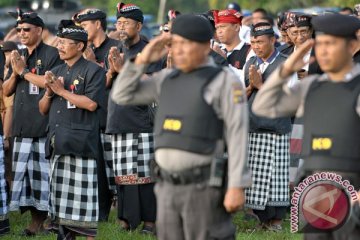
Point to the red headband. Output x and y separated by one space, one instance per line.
227 16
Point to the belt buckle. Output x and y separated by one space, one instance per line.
175 178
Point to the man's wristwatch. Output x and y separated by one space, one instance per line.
25 71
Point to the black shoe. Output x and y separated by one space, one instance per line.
4 227
27 233
148 230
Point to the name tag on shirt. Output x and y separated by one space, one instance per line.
33 89
70 105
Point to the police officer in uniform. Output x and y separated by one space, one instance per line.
25 79
199 104
329 104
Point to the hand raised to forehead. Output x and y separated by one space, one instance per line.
295 62
155 50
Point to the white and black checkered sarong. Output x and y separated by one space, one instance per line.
3 196
269 160
132 153
74 191
107 154
31 174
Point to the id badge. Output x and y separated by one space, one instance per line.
70 105
33 89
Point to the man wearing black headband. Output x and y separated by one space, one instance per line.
131 128
26 80
330 106
269 199
200 105
94 22
74 92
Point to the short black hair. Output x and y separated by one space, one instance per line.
347 9
261 10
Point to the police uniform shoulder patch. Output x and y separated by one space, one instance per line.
237 93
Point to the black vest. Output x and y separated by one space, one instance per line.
184 120
332 126
237 58
262 124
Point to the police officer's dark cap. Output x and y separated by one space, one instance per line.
27 17
90 14
337 25
68 29
192 27
261 28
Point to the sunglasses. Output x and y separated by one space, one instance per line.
18 29
164 28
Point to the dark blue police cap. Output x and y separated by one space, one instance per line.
337 25
192 27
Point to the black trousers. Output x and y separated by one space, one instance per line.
271 213
136 203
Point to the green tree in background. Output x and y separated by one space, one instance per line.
152 6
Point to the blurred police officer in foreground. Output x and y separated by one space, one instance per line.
329 104
199 104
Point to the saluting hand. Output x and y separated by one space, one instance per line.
295 62
17 62
234 199
169 60
255 77
115 59
155 50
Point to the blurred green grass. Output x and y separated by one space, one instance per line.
110 230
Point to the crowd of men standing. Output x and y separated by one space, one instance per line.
80 127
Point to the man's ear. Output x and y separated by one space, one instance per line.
139 26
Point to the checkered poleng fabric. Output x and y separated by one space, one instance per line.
107 153
269 161
132 153
73 191
31 174
3 196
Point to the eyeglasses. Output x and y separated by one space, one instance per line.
63 43
297 33
25 29
126 24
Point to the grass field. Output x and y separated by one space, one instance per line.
111 231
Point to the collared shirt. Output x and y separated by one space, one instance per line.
102 51
236 64
27 120
264 64
130 119
224 93
83 78
101 54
